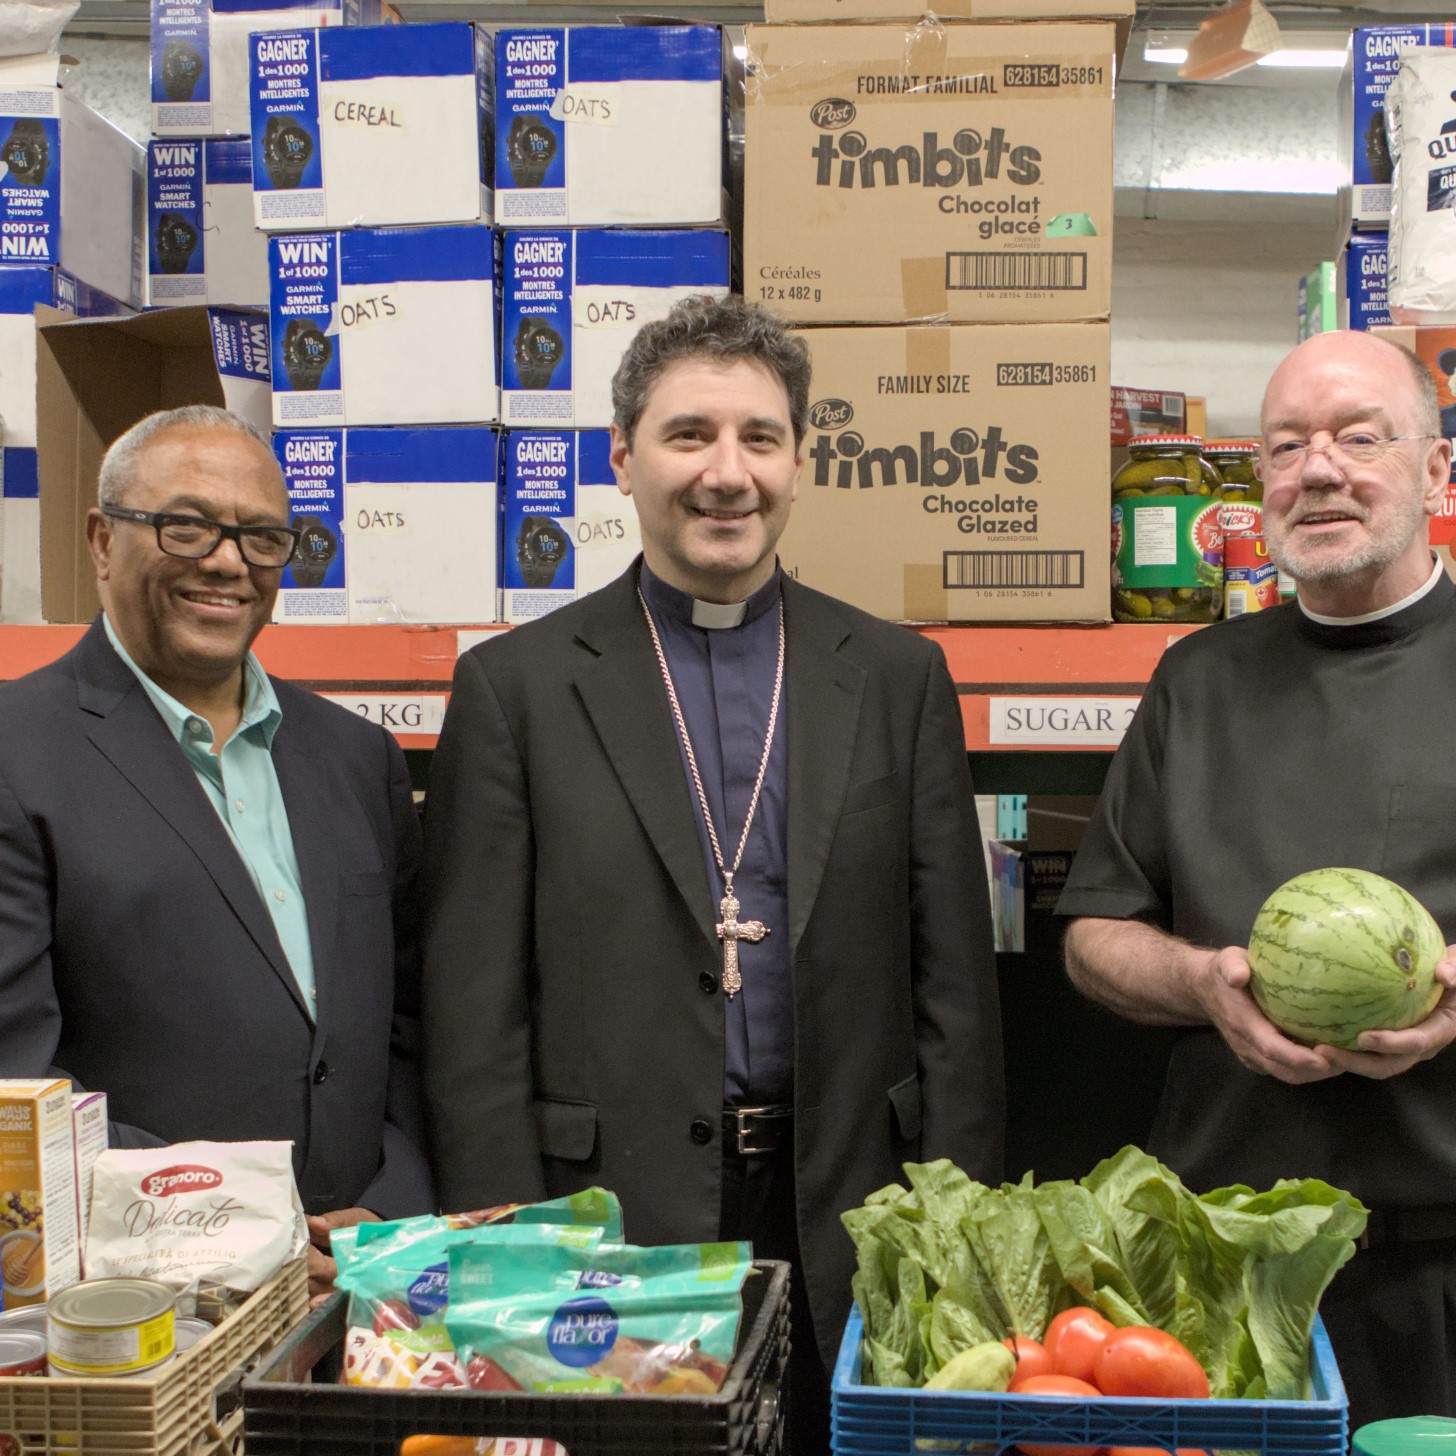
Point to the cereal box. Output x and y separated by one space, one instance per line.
39 1242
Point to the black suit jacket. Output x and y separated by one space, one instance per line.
137 958
569 921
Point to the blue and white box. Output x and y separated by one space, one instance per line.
202 246
1360 281
364 127
21 289
386 327
1366 166
571 302
418 517
199 55
244 362
71 185
609 126
565 527
312 586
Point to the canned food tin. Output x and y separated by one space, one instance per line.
190 1330
31 1317
110 1327
22 1352
1250 577
56 1373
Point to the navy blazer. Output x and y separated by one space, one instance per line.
138 959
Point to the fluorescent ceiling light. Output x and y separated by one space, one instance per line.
1164 55
1305 59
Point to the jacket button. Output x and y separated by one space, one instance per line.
701 1131
708 983
320 1074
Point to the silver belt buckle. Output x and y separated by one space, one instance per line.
744 1132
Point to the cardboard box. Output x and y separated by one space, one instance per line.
959 173
565 527
609 126
571 302
199 55
71 185
1147 412
202 246
371 126
22 290
40 1245
384 327
413 515
1436 349
1371 61
90 1136
95 378
1318 312
1360 283
946 473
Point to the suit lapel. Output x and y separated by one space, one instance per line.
825 690
135 741
622 691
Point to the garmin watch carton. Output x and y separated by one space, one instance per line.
1360 278
1366 167
932 172
571 302
199 55
72 186
609 125
40 1245
395 326
21 290
565 527
202 246
414 515
364 127
946 473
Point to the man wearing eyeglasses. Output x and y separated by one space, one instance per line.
206 875
1313 735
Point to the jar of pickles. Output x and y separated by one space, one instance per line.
1243 491
1167 548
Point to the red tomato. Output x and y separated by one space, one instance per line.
1073 1339
483 1373
1141 1360
1065 1385
1031 1357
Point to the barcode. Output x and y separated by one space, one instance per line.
1024 271
1235 605
1014 568
1172 405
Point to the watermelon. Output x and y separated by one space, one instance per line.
1337 952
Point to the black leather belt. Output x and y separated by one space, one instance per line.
1409 1225
750 1131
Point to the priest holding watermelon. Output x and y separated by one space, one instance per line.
1314 740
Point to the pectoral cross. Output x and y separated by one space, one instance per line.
730 932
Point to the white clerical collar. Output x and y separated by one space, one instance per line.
1436 573
716 615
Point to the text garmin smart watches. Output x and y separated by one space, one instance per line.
538 351
306 353
541 547
27 153
1377 149
181 70
176 239
317 547
530 147
287 148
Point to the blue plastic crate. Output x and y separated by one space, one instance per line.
872 1420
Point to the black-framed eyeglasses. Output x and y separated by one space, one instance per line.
194 537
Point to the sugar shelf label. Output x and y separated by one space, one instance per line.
1059 722
404 714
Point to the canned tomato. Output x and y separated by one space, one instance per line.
1251 580
22 1352
111 1327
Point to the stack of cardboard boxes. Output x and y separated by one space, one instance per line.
930 199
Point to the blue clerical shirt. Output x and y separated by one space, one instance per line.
725 680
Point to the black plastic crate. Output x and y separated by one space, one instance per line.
293 1404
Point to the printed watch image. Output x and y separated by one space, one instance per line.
530 148
538 350
541 547
181 70
316 549
26 152
1377 149
176 241
306 353
287 149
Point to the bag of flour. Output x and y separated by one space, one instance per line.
1420 115
195 1213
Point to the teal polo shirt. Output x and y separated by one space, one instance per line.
241 783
